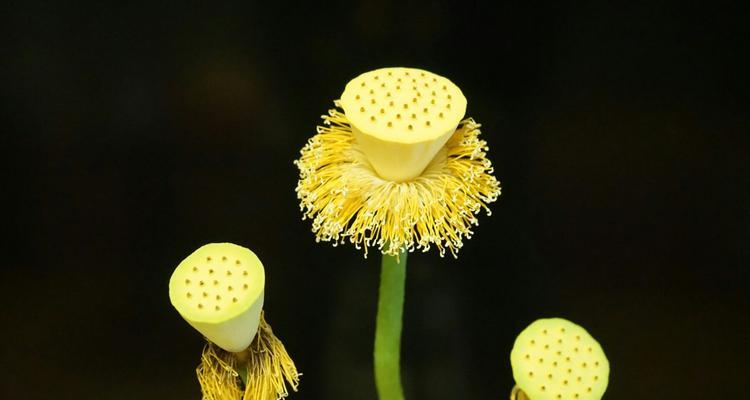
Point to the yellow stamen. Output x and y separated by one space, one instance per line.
346 199
268 367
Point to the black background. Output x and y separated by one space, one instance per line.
136 134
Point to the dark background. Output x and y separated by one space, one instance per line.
136 134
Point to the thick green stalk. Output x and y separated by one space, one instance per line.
388 327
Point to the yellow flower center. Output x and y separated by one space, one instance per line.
555 359
401 117
219 290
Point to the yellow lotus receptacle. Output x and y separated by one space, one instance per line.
555 359
401 118
219 291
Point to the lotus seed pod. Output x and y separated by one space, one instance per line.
219 291
401 118
555 359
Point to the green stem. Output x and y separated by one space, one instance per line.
388 327
242 372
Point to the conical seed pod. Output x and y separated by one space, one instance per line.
555 359
219 291
401 118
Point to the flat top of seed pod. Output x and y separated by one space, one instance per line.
217 282
555 359
405 105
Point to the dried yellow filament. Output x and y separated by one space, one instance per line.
217 374
266 363
344 197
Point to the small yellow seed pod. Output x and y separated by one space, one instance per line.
219 291
555 359
401 118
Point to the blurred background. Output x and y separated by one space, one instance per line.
135 134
